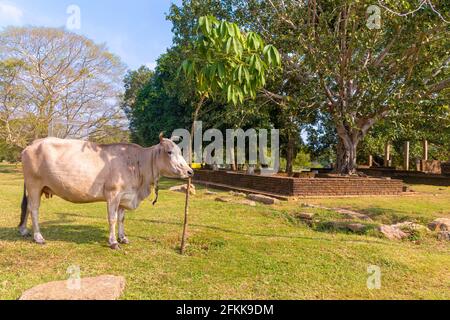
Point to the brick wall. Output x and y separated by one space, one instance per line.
302 186
347 186
278 185
445 168
430 166
412 177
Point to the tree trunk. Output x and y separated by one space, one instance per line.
194 119
346 155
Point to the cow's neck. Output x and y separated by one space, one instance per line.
149 170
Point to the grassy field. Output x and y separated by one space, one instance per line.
235 251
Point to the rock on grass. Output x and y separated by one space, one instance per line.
440 224
443 235
243 201
182 188
105 287
263 199
392 233
304 215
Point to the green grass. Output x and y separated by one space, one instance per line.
235 251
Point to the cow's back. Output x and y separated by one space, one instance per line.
75 170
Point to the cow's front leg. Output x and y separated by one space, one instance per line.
122 237
113 207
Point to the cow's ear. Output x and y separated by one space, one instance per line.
161 137
176 138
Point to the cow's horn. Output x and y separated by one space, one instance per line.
161 136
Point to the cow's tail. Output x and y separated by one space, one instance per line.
24 206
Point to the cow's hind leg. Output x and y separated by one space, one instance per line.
122 237
23 230
113 207
24 215
34 201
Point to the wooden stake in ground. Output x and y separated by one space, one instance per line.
186 213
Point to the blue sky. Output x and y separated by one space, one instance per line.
135 30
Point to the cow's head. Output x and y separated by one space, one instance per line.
171 161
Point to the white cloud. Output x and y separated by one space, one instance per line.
10 14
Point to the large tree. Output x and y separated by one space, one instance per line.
359 74
67 84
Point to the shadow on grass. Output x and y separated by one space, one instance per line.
216 228
4 169
391 216
59 232
258 234
61 229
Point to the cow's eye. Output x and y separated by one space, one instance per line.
169 152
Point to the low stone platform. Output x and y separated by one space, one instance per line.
289 187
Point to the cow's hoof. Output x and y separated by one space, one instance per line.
24 232
124 240
38 238
114 246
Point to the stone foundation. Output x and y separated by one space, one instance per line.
299 187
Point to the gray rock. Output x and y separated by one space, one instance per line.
392 233
247 202
352 214
105 287
262 199
237 194
307 205
443 235
304 215
210 193
356 227
221 199
182 188
440 224
408 226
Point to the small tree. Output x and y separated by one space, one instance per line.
227 63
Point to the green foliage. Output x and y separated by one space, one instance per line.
301 162
160 103
389 91
9 153
228 62
134 81
110 134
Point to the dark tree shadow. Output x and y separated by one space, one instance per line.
62 229
256 234
392 216
5 169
